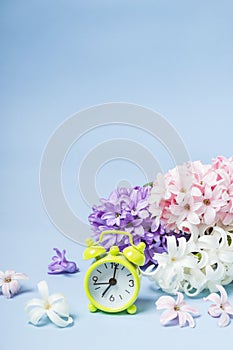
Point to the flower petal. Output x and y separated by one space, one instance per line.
228 308
167 316
34 302
209 216
143 214
142 204
182 247
54 298
215 310
14 286
195 191
180 298
61 308
59 254
19 276
193 218
56 268
6 290
189 261
216 274
35 315
182 318
223 293
165 302
188 308
224 320
43 289
171 245
9 273
226 256
58 320
214 297
190 320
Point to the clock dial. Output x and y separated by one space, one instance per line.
112 285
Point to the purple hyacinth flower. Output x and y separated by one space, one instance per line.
60 264
127 209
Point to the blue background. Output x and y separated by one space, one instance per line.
58 57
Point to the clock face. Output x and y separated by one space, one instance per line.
112 285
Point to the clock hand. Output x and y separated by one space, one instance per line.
114 273
112 282
106 290
99 283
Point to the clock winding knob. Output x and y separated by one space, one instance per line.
114 250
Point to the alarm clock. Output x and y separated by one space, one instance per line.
112 282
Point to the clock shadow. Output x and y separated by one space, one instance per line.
142 304
121 313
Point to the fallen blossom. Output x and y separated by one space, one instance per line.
221 307
54 306
176 309
9 281
60 264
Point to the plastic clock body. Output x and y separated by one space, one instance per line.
112 283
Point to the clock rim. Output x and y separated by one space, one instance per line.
115 259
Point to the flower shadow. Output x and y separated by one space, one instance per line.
175 322
64 274
23 291
144 304
45 321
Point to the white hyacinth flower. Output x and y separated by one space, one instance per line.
54 306
172 265
204 261
219 247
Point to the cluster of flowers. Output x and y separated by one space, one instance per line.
195 192
204 261
127 209
197 199
186 221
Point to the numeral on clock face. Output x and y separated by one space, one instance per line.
112 298
95 279
114 266
131 283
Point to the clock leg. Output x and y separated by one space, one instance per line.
132 309
92 308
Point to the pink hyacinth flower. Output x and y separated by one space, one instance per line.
176 309
221 306
9 282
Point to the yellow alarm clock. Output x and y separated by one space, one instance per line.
112 282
